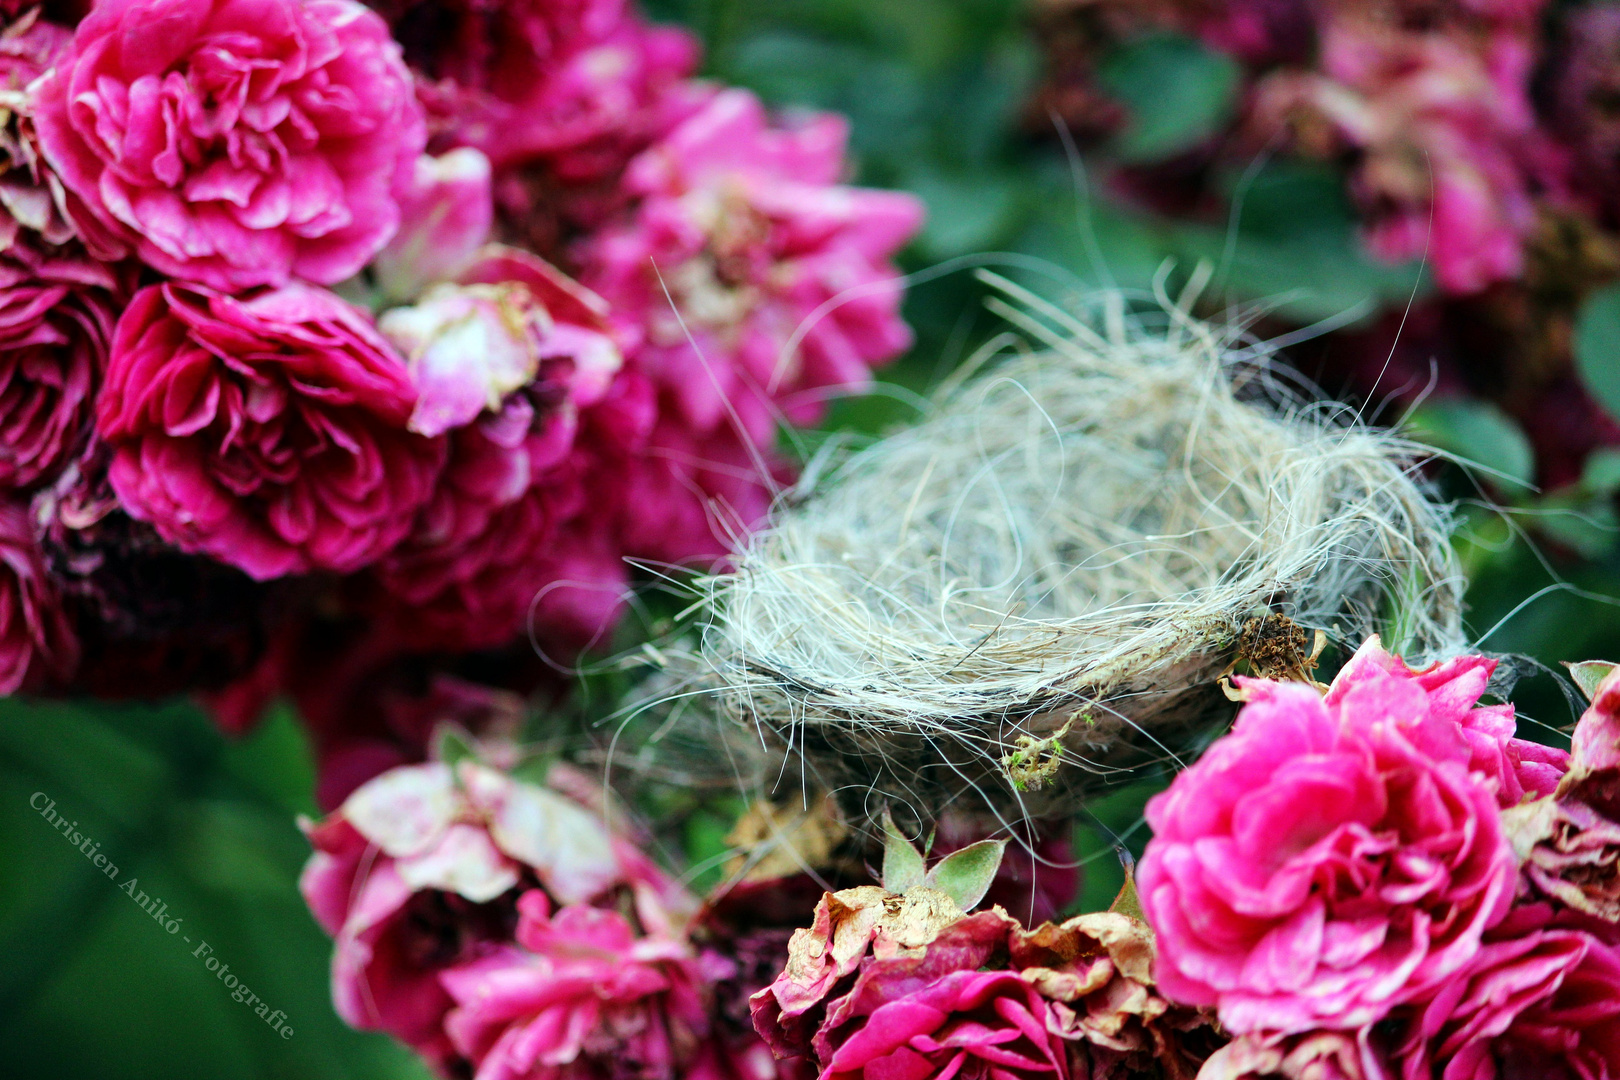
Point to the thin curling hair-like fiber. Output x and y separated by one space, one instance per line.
1068 544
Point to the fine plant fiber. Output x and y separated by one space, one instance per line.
1057 560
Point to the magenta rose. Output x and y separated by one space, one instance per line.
32 197
37 644
1542 999
761 284
236 143
1570 841
1518 768
1448 147
980 1025
57 310
583 994
445 217
419 869
1328 860
884 985
269 433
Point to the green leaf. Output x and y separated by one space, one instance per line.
1479 432
965 875
902 862
1588 674
1597 346
1601 475
1580 521
1128 902
452 745
1178 94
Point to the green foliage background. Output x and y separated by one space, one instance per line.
91 986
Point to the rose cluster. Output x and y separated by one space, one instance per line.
906 985
501 928
339 342
1383 881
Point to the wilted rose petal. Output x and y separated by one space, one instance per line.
444 219
420 869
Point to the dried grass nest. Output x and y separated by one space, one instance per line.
1033 592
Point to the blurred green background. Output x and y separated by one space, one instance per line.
936 90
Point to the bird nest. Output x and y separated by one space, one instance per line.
1033 592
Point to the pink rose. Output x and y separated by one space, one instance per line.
763 286
470 345
848 927
1594 773
974 1024
420 868
1541 999
57 303
1519 769
1570 842
581 995
32 197
236 142
29 46
268 433
1447 139
37 645
1329 859
57 310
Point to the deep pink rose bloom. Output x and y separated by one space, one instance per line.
581 995
781 275
57 310
510 321
980 1025
1328 860
1447 139
1542 999
37 645
1594 774
33 199
1570 842
883 985
236 143
268 432
1519 769
416 871
28 48
58 303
